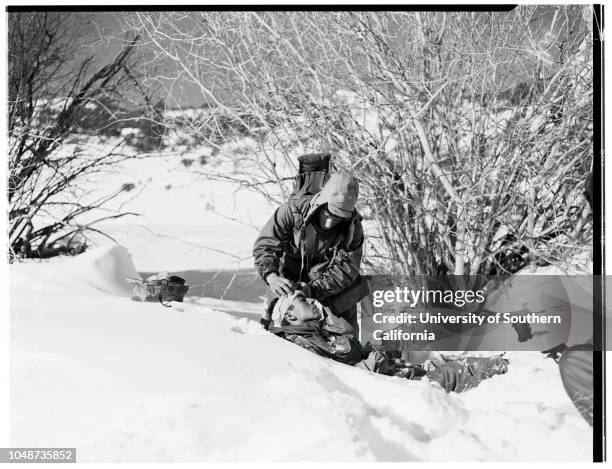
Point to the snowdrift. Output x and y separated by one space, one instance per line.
103 269
128 381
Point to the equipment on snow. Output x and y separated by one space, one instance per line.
161 287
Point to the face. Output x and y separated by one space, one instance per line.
302 310
327 219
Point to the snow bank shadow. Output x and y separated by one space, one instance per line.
242 315
234 309
233 285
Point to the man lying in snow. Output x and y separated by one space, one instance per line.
307 323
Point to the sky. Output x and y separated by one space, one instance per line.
101 34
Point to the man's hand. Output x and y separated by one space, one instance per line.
280 285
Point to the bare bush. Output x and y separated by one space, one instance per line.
471 133
54 91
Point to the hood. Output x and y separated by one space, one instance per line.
332 324
281 304
339 193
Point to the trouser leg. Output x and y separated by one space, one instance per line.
453 377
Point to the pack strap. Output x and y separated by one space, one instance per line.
162 290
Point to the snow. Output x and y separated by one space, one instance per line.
184 221
201 381
102 270
131 132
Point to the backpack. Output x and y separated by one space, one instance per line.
161 287
313 173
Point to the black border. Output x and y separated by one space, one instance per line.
599 383
296 7
599 325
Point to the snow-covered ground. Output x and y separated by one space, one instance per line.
182 220
128 381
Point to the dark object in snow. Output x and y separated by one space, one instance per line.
555 352
523 331
128 186
161 287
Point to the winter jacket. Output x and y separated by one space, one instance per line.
331 337
291 245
